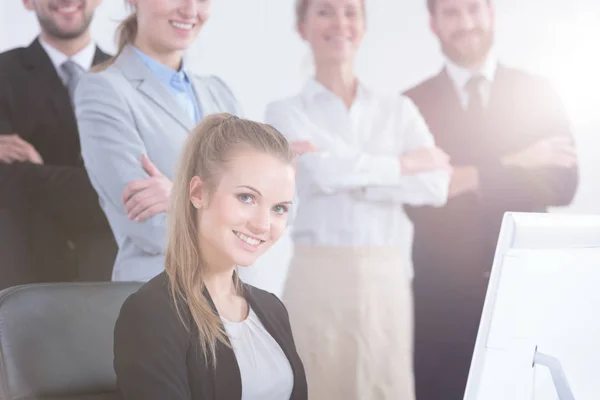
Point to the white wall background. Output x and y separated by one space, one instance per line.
253 46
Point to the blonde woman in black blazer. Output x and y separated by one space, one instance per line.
195 331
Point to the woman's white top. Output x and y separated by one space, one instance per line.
265 370
351 192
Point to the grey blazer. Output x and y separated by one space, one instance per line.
123 112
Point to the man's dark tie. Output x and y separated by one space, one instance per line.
73 73
475 102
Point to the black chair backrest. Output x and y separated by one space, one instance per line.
56 340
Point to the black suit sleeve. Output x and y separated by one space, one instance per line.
13 175
6 127
536 188
150 350
15 178
62 191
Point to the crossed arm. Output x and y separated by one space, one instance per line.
417 176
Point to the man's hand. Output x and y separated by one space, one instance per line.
464 179
148 197
425 160
303 146
552 152
15 149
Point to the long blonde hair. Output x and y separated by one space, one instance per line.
209 149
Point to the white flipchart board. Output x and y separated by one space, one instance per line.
544 292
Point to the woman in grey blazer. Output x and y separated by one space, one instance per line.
134 115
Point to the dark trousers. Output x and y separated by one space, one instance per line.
52 228
448 304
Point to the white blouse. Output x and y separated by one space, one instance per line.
351 192
265 370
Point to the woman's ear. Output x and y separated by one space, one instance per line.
196 192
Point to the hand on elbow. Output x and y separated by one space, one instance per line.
148 197
425 160
551 152
14 149
464 180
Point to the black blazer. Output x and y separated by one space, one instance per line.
35 104
522 109
156 358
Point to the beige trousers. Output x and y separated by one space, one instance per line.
351 316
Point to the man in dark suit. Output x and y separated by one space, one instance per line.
51 225
511 149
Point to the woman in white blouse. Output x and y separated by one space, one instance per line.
362 155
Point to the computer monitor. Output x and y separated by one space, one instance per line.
539 336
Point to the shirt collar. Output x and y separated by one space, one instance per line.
165 74
461 75
84 58
314 89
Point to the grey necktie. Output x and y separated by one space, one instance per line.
473 87
72 72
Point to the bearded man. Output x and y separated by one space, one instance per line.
51 225
511 149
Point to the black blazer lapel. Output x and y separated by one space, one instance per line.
443 109
227 378
448 92
278 333
47 80
100 57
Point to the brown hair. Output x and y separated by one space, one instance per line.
302 8
431 6
126 33
432 3
208 150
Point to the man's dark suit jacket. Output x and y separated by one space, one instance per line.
157 358
454 246
35 104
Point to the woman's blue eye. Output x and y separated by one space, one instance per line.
281 209
245 198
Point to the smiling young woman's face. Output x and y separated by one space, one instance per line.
170 25
247 211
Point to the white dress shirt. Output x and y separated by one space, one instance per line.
460 76
84 58
351 192
264 368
